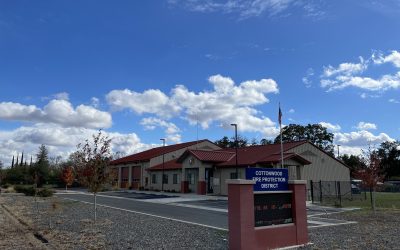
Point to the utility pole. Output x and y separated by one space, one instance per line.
163 163
236 149
338 154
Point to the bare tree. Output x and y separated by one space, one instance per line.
91 162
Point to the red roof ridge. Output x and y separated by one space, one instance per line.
146 155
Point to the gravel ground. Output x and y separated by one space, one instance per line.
68 225
373 231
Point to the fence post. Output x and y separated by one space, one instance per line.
320 191
312 191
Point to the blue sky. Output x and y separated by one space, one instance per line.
181 70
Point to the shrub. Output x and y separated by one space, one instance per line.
27 190
45 192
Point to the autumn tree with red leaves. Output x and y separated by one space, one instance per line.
370 172
67 176
91 162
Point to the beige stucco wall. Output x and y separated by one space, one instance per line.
167 186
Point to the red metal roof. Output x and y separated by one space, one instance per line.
169 165
255 154
208 156
275 158
154 152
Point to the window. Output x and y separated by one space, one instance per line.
165 179
154 178
233 175
175 179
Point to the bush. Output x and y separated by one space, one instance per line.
27 190
5 185
45 192
30 191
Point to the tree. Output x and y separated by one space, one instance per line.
91 162
370 172
40 170
314 133
266 142
389 154
353 162
67 176
225 142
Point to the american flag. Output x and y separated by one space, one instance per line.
280 115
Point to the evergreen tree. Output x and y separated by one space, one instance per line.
12 162
40 170
22 159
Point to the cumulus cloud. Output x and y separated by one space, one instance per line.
57 111
366 126
250 8
361 138
60 141
347 69
171 130
226 103
152 101
352 74
330 126
393 57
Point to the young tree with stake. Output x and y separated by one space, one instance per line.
91 162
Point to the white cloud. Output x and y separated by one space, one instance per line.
171 130
393 57
62 96
226 103
250 8
347 69
56 111
366 126
361 138
306 79
291 111
394 101
60 141
95 102
151 101
350 75
330 126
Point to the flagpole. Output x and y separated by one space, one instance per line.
280 130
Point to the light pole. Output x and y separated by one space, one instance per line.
162 177
338 155
236 149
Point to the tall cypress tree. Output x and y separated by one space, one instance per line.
12 162
22 159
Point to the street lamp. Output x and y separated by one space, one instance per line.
163 162
236 149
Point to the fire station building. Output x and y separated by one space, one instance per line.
202 167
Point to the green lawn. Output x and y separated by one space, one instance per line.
382 200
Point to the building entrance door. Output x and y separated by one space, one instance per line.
209 180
